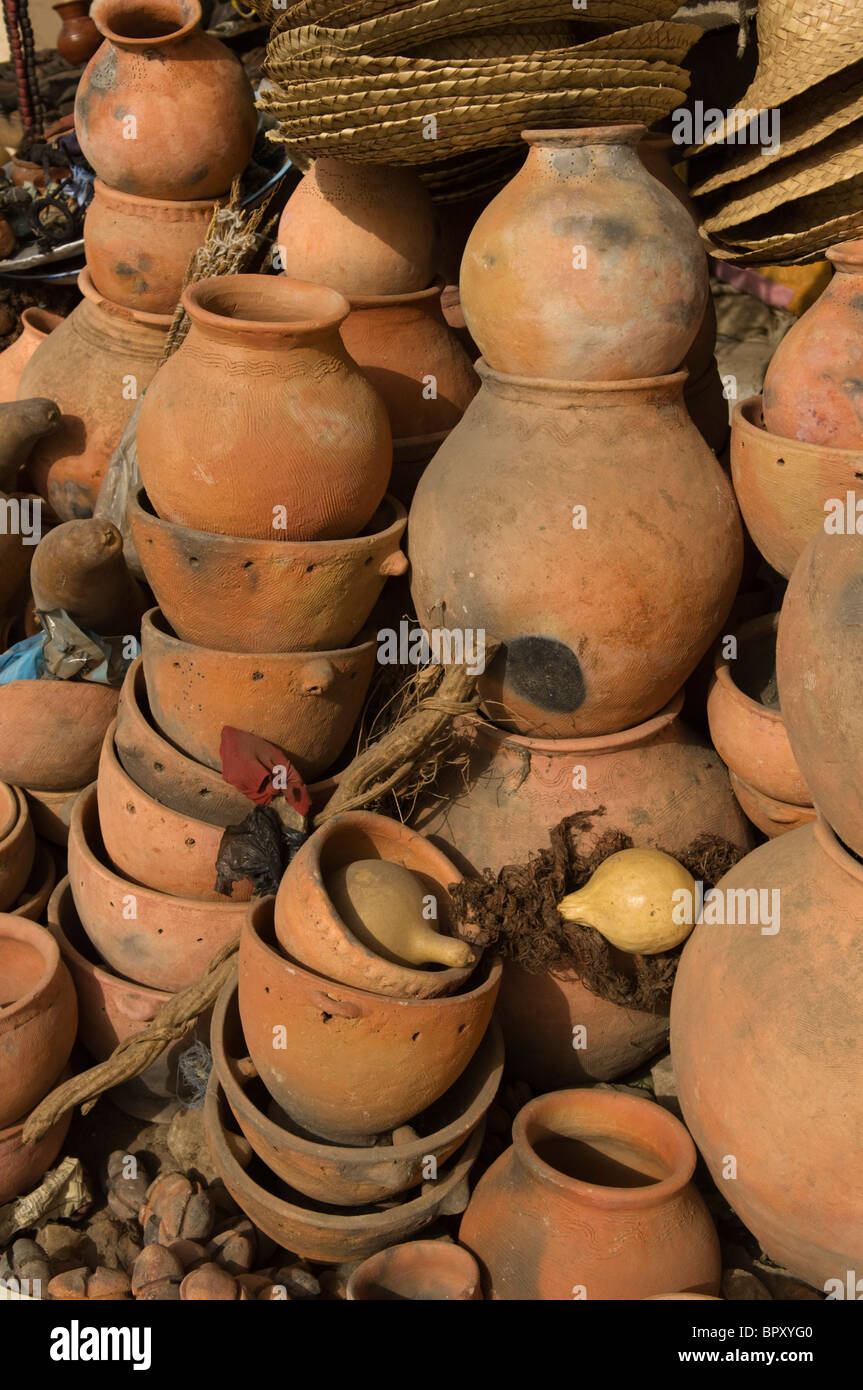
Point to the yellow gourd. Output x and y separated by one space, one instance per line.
383 905
631 900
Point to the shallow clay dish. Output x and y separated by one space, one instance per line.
38 1016
771 816
51 732
17 845
423 1270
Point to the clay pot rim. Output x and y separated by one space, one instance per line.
593 1108
29 934
834 847
592 743
153 205
575 137
119 311
34 312
396 301
847 256
671 384
358 1158
722 668
60 897
10 811
747 420
44 871
103 10
165 633
464 1264
67 4
334 307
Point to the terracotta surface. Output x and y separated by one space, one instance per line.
38 888
149 937
79 566
812 389
312 1230
364 229
651 596
339 1175
304 702
192 103
771 816
51 732
36 324
95 365
245 595
819 665
17 845
50 813
38 1016
264 379
16 556
311 932
354 1064
707 407
23 1165
138 249
584 267
593 1200
422 1270
750 1008
78 38
782 485
153 845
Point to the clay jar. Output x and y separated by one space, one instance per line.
812 389
801 1198
36 324
602 614
38 1016
261 425
163 109
595 1200
584 267
138 249
51 732
363 229
22 1165
95 365
423 1270
17 844
78 38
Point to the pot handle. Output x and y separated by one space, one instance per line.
317 677
139 1007
340 1007
394 564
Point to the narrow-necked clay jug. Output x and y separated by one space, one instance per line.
813 389
163 110
36 324
584 267
261 424
78 38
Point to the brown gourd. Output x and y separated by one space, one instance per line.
387 908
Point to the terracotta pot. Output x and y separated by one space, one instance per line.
650 598
112 1009
304 702
311 932
812 386
584 267
339 1175
707 407
38 888
22 1165
38 1016
787 1004
363 229
78 38
748 732
770 815
51 732
659 154
313 429
413 359
244 595
36 324
819 667
153 845
191 105
312 1229
426 1270
593 1200
782 485
80 567
95 365
138 249
355 1064
17 845
51 812
149 937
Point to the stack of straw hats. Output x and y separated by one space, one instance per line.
790 205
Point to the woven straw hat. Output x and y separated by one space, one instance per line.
798 231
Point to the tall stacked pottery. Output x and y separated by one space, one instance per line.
566 517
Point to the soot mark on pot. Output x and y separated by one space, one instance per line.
849 606
198 175
544 671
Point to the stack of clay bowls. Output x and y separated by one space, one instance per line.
577 516
165 115
347 1101
26 867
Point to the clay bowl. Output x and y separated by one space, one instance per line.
111 1009
275 596
772 817
17 845
341 1175
149 937
153 845
313 1230
783 484
423 1270
312 933
38 1016
304 702
22 1165
345 1064
39 887
51 732
749 735
51 812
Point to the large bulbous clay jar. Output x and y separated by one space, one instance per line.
584 267
597 577
36 324
261 425
78 38
138 249
95 365
163 109
765 1037
593 1200
813 389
